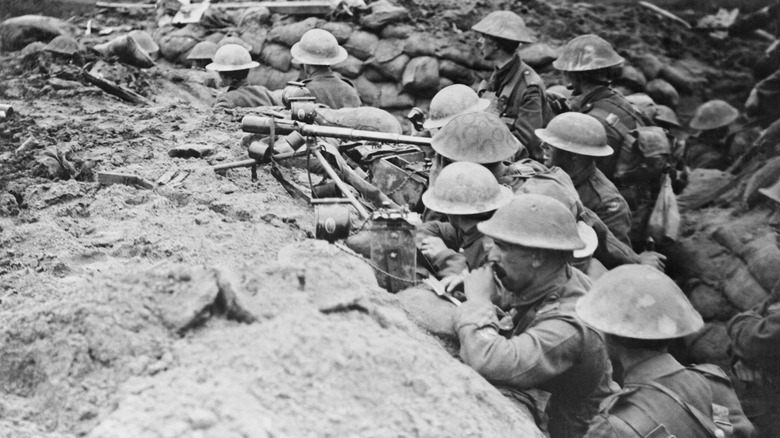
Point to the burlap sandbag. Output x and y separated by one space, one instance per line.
17 32
663 93
538 55
421 76
340 30
710 302
709 345
271 78
361 44
649 65
289 34
254 35
767 175
401 31
277 56
368 90
679 78
390 70
349 68
176 45
456 72
383 13
364 118
392 96
421 44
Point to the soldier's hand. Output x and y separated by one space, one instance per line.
479 284
430 246
452 282
654 259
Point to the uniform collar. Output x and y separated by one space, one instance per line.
503 74
598 93
584 174
652 368
547 289
322 74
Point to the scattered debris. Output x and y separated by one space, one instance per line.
109 178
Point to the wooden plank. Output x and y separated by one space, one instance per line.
109 178
114 89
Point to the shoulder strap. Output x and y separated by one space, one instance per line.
509 88
704 421
640 422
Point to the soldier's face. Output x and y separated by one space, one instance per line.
487 47
515 265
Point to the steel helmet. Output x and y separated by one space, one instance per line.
663 92
452 101
466 188
534 221
203 51
318 47
591 239
145 41
555 184
666 115
576 133
640 302
587 52
475 137
234 40
714 114
64 45
232 57
505 25
772 192
640 100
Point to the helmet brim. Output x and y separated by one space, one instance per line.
699 126
560 65
448 207
588 235
554 141
481 105
225 67
307 58
530 241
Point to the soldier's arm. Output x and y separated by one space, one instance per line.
529 117
753 336
616 216
449 261
523 361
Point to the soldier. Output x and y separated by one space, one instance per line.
317 51
233 63
452 101
642 310
755 344
516 91
571 142
710 149
588 63
468 194
518 328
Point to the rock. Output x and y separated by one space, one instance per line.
401 31
767 175
350 67
271 78
649 65
711 303
632 78
362 44
289 34
383 13
421 44
709 345
341 31
277 56
8 205
421 76
456 72
663 93
17 32
679 79
538 55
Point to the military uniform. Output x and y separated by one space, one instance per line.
332 90
247 96
464 251
601 196
755 341
545 346
703 154
518 96
652 402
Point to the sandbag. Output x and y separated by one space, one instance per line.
709 345
289 34
401 31
127 50
393 69
219 18
17 32
368 91
704 186
364 118
679 79
383 13
456 72
254 16
663 93
341 31
176 45
375 74
767 175
431 313
739 286
664 222
420 44
462 54
421 76
632 78
277 56
760 253
392 96
271 78
254 35
349 68
388 49
361 44
538 55
649 65
711 303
